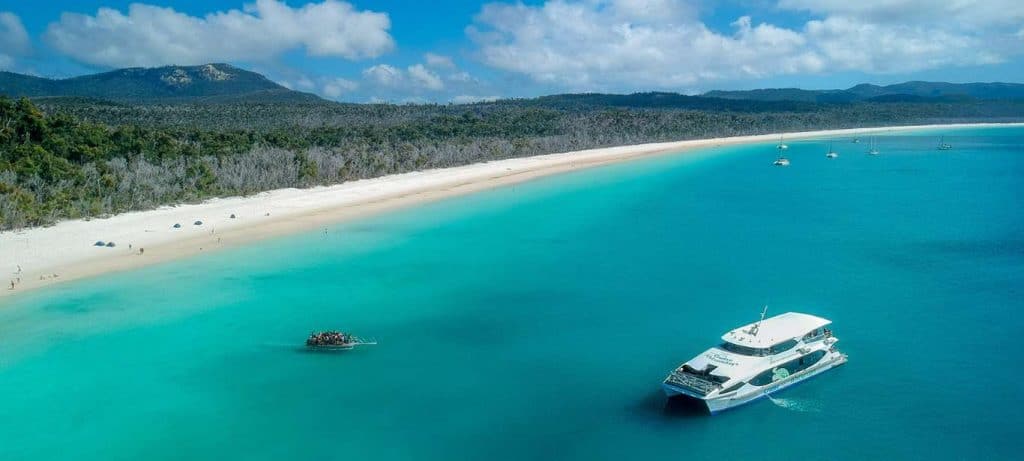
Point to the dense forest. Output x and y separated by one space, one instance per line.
74 157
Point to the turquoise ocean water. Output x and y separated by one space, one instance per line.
537 321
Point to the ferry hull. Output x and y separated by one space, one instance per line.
692 401
716 405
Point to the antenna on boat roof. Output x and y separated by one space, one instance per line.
753 329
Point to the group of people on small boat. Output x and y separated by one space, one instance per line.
329 338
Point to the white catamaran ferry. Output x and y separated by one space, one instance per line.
756 360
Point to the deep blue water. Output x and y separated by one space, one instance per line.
537 321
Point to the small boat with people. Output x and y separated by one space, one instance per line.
756 360
335 340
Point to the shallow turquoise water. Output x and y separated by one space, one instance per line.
537 321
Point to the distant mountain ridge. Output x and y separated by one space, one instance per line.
908 91
224 83
168 84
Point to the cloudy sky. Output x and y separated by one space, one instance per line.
464 50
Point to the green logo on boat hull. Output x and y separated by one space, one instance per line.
779 374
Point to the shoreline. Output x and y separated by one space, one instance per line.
66 249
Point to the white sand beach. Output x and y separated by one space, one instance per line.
38 257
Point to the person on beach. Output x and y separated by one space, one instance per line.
12 285
141 250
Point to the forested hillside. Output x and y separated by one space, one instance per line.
166 85
73 157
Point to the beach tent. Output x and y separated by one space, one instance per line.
99 243
177 225
198 223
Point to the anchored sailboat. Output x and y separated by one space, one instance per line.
782 145
782 160
831 153
943 145
873 150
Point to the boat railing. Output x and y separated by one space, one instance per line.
690 381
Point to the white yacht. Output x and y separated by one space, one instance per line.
831 153
782 146
781 161
872 150
756 360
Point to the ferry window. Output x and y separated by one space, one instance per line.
783 347
733 387
744 350
791 367
813 334
762 379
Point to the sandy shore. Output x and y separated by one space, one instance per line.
44 256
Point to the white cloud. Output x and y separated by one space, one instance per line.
423 77
462 77
383 75
414 77
335 88
438 61
960 13
305 83
151 35
848 44
431 80
469 99
608 44
13 39
593 44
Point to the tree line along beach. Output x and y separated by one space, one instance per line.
66 251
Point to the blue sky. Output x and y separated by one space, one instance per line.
462 50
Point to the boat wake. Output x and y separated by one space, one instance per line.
800 405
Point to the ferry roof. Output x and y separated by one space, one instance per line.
774 330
